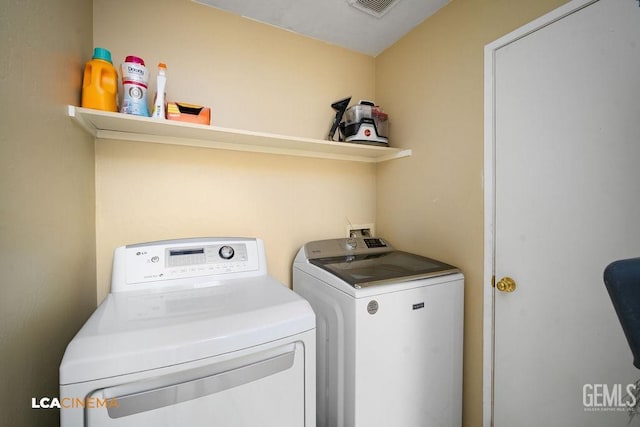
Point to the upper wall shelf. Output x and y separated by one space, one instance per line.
108 125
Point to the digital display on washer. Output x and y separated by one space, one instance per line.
377 269
181 257
375 243
174 252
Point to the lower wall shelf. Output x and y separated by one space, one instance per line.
108 125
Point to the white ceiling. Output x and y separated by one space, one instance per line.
336 21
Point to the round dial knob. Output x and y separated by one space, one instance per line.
226 252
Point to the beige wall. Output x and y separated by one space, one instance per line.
47 215
431 83
254 77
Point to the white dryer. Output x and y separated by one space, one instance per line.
389 334
194 333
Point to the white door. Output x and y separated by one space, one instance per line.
566 105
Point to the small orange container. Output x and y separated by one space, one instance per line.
183 112
100 82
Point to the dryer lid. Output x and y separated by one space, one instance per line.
365 270
140 331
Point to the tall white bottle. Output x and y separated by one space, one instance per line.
159 101
134 86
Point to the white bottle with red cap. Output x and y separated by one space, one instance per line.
134 87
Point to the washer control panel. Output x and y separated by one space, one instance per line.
187 258
227 255
346 247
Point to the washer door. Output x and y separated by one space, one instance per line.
265 389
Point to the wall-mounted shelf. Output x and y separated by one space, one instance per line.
108 125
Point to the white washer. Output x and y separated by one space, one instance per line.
194 333
389 334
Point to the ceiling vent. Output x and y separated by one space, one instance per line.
376 8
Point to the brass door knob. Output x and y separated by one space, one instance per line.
506 284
